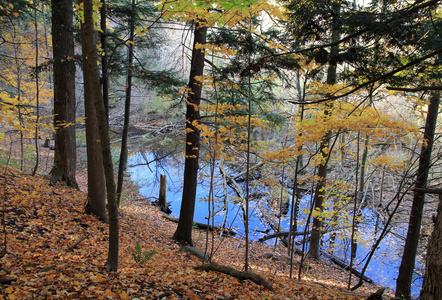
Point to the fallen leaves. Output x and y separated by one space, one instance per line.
54 251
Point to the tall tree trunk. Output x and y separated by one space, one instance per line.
96 191
403 284
65 152
37 92
324 146
123 153
90 60
315 236
432 287
183 232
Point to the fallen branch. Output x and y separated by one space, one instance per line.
345 266
77 243
204 226
427 190
204 257
282 234
146 134
237 176
6 281
241 275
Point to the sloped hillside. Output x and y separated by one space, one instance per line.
54 251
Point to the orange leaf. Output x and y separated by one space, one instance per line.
123 295
109 293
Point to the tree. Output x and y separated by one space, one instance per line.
65 157
324 148
96 198
93 94
403 286
183 232
431 288
123 152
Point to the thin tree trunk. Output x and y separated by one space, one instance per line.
19 100
37 93
104 61
123 153
354 227
403 285
249 138
183 232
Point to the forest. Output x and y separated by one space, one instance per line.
186 149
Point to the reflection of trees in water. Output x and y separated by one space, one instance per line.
160 155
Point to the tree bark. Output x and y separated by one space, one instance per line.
403 285
183 232
65 157
432 288
96 191
90 61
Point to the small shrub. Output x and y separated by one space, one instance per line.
140 256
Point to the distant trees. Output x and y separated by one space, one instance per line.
25 83
127 48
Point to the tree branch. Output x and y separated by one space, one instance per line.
242 275
416 89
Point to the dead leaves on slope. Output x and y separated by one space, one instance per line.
54 251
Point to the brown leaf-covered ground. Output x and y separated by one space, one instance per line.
43 223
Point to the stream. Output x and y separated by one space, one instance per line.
383 268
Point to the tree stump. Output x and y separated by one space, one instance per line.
162 203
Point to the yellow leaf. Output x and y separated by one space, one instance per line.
8 290
139 31
100 278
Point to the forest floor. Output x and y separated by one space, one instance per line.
55 251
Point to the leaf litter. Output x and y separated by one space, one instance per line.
55 251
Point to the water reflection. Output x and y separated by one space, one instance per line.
145 169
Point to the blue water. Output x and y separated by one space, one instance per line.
383 267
